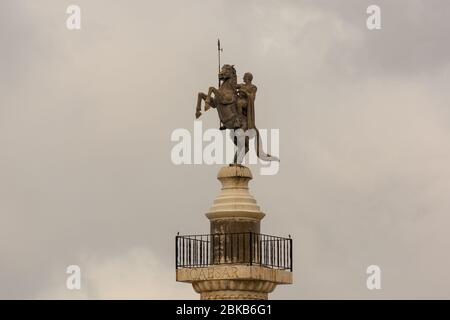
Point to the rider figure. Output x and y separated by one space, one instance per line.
247 94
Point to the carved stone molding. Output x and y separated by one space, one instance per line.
233 295
234 285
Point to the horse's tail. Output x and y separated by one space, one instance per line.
259 149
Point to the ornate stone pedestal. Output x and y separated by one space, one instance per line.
235 209
235 261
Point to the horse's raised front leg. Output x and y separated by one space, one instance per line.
201 96
208 97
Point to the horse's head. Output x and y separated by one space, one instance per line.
227 72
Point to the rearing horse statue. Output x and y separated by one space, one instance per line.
235 108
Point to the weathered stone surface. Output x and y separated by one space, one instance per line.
234 272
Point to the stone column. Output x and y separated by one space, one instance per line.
235 220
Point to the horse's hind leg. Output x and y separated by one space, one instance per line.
236 153
247 144
239 151
201 96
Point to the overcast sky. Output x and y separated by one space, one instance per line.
86 117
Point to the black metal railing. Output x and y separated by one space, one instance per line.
233 248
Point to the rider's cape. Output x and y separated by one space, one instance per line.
251 112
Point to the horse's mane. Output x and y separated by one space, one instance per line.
234 78
234 81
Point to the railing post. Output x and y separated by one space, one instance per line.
251 248
189 250
260 249
208 247
290 252
225 247
278 252
176 252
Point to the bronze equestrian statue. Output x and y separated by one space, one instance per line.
235 104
